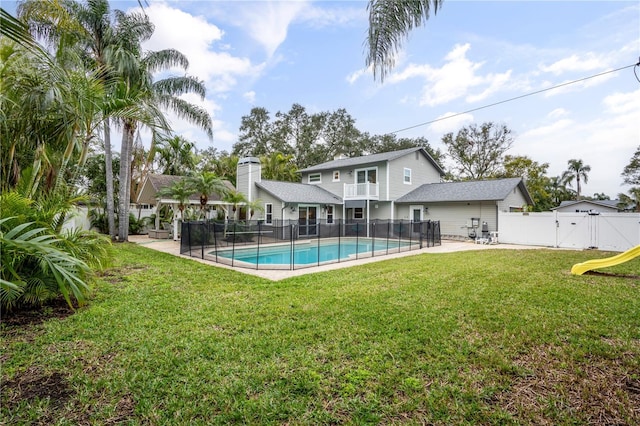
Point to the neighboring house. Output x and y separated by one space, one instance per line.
394 185
589 206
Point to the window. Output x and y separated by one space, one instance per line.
358 213
336 176
407 176
268 213
329 214
315 178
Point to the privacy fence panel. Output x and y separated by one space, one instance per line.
604 231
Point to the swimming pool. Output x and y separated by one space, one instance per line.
312 253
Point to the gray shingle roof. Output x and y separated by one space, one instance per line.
291 192
480 190
605 203
369 159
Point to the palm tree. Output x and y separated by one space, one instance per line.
235 198
577 170
205 184
180 191
630 200
176 156
278 166
390 22
108 46
153 96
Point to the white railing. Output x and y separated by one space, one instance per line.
361 191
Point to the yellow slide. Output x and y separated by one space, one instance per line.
581 268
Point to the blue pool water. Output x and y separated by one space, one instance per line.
307 254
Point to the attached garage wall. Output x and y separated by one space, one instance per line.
454 217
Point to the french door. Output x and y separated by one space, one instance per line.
307 220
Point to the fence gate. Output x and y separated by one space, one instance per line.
577 230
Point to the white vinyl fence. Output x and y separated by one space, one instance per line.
604 231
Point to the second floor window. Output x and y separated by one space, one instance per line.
315 178
336 176
407 175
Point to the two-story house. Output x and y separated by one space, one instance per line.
404 184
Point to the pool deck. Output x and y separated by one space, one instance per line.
447 246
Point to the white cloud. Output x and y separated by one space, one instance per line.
453 124
250 96
622 103
588 62
267 22
175 29
355 76
557 113
454 79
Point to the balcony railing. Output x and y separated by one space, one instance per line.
361 191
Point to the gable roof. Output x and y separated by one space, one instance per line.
478 190
292 192
369 159
612 204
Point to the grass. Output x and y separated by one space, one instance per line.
488 337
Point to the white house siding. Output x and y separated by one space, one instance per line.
326 178
267 198
514 199
383 212
422 171
454 217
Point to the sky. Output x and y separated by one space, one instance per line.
472 54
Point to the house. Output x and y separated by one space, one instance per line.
397 185
588 206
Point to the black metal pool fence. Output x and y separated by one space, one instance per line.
287 244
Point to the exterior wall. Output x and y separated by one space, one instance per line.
454 217
265 198
514 199
327 180
585 206
422 171
390 176
248 173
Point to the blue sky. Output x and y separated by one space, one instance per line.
273 54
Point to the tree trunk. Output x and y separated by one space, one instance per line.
108 166
125 179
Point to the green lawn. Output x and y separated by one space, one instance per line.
481 337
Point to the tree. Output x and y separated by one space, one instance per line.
278 166
631 172
180 191
226 167
534 176
577 171
255 137
558 191
106 42
176 156
235 198
631 200
390 22
206 184
478 150
153 96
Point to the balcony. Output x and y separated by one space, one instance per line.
361 191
